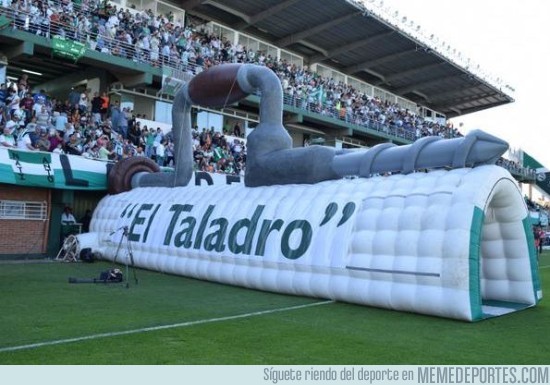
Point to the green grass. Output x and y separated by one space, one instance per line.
39 305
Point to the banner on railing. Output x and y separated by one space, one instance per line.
52 170
4 22
543 173
73 172
173 80
67 48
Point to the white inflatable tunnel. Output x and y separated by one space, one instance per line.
454 244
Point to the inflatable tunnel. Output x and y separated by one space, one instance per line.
450 243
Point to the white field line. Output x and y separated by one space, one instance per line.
161 327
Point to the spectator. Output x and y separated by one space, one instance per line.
537 236
7 139
60 120
160 152
159 136
73 146
92 152
115 113
105 152
149 142
22 84
85 220
97 102
42 143
37 107
68 223
14 123
26 105
56 140
43 116
83 101
169 154
104 105
74 98
139 151
24 142
12 101
3 96
122 123
67 217
40 97
118 146
68 131
237 130
540 236
134 131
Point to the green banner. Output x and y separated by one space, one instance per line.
68 48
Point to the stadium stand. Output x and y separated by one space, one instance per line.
186 46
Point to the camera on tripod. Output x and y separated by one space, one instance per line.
113 275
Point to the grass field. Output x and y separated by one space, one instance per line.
168 319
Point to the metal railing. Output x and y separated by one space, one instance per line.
23 210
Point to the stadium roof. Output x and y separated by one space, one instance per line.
345 36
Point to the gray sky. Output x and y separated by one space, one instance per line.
509 39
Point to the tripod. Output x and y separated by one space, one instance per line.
130 255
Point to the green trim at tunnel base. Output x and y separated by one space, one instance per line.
476 302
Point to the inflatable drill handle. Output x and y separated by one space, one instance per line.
216 87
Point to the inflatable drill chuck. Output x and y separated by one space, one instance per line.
475 149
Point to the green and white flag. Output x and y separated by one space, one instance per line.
543 173
44 169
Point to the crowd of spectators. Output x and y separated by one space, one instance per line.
95 128
515 168
92 126
160 41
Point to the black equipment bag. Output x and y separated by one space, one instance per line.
86 255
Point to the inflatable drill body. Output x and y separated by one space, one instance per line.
454 241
